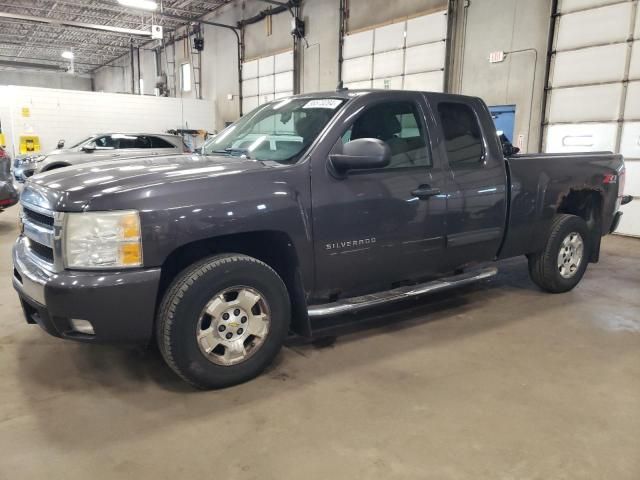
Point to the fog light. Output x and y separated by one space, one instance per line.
82 326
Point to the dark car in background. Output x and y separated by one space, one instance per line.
101 146
8 194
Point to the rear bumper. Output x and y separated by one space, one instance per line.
119 305
616 222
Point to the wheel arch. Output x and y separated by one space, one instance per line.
54 166
587 204
275 248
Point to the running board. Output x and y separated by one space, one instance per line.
354 304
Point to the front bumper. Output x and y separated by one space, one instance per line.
120 305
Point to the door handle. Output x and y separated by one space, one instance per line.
115 154
423 192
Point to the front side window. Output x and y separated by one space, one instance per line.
82 143
462 135
279 131
398 124
105 142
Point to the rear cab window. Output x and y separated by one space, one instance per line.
462 135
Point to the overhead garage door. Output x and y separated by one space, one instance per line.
594 97
266 78
408 55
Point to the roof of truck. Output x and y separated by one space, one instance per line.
346 93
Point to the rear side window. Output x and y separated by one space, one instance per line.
127 141
157 142
398 124
462 135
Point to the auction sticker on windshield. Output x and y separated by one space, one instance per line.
331 103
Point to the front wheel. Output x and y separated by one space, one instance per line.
560 266
223 320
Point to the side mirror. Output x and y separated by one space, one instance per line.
89 147
361 154
60 144
508 149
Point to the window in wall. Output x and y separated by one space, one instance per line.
462 135
398 124
185 77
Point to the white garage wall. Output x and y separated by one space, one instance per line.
71 115
594 99
266 78
409 54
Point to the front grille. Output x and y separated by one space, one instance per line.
38 228
42 251
37 217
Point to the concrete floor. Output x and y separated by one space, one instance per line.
496 381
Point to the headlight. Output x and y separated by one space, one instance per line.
95 240
32 159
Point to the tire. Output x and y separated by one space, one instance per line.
544 266
199 310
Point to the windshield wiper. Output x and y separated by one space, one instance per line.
231 151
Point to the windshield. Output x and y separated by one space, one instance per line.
84 140
278 131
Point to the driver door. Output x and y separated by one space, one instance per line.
372 228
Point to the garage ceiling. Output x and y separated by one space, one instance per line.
25 42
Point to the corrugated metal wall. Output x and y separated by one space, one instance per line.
409 54
594 95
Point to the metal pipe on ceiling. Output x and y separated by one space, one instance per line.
38 66
55 60
70 23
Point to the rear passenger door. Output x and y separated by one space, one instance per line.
476 207
374 228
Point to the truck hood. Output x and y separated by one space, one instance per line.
72 188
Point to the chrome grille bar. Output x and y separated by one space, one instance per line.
42 229
37 233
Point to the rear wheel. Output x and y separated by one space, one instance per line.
562 263
223 321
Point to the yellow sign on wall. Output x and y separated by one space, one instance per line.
29 144
26 112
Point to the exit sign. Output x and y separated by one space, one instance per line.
496 57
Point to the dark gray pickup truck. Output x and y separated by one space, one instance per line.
307 207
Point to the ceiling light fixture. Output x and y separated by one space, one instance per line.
141 4
67 54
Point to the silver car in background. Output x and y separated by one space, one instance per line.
100 146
